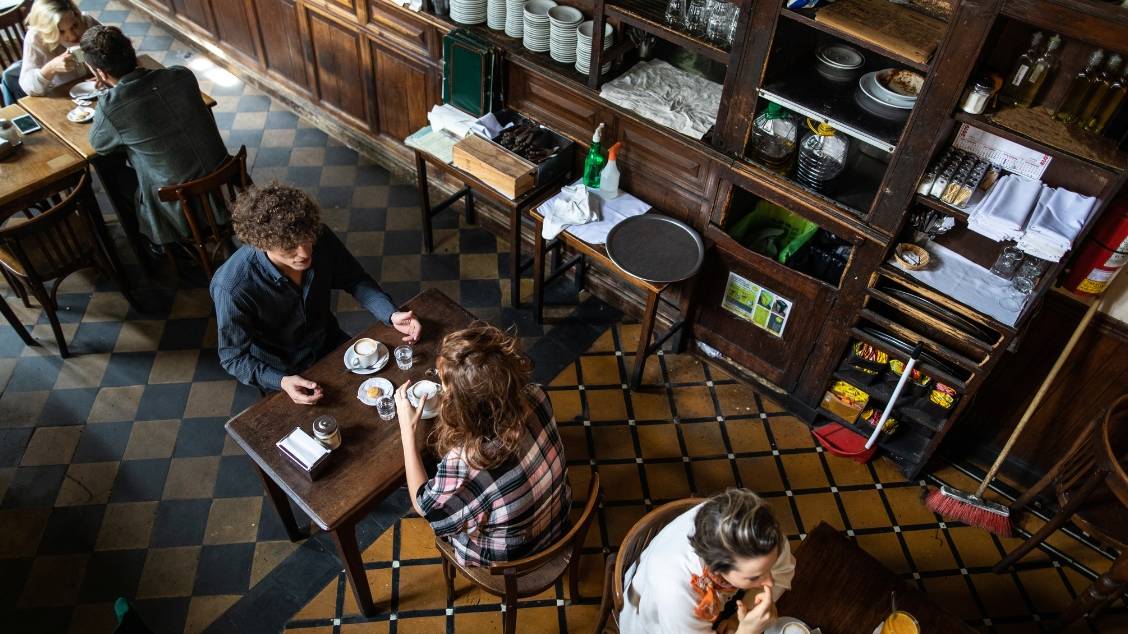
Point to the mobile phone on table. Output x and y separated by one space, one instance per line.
26 124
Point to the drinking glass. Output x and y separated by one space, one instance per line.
404 356
386 407
675 12
1007 263
696 17
720 19
1024 282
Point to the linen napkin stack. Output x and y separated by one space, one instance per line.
574 205
1003 212
1058 217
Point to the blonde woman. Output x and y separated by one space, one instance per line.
53 26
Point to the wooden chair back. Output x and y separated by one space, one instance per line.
62 239
12 33
639 537
199 200
1112 447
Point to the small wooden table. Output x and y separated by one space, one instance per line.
842 589
42 159
598 253
368 466
473 186
51 111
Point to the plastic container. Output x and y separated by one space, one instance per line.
593 164
822 157
775 136
609 178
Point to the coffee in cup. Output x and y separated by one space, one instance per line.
795 628
365 353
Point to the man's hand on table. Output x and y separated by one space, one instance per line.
406 323
301 390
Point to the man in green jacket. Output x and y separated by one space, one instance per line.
158 122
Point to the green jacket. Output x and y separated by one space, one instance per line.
159 120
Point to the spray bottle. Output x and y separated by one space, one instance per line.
593 164
609 178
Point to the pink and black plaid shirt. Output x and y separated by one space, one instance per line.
510 511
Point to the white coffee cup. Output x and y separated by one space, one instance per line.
795 628
365 353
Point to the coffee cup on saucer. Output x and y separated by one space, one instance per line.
365 353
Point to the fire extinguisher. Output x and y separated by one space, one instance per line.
1103 254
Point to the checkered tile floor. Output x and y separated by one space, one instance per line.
692 430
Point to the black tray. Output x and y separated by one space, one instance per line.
656 248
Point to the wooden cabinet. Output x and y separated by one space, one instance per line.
665 172
233 25
399 27
555 105
405 89
282 51
339 66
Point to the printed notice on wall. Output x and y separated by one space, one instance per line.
751 302
1006 154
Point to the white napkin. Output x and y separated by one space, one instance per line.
1057 219
1003 213
447 117
488 127
678 99
574 205
304 447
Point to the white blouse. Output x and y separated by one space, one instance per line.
36 54
657 598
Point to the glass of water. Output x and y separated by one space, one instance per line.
404 356
386 407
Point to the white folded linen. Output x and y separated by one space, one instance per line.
1058 217
572 206
610 212
437 143
680 100
447 117
303 447
1004 211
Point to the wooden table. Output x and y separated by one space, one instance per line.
51 111
842 589
598 253
368 466
473 186
42 159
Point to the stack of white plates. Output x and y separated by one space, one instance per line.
515 18
468 11
563 22
495 14
536 36
583 46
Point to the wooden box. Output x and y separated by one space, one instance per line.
499 168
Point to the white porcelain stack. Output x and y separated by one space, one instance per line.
583 46
536 37
515 18
468 11
563 22
496 14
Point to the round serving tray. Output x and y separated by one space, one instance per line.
656 248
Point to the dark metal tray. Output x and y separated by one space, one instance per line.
656 248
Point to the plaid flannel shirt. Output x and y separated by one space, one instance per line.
510 511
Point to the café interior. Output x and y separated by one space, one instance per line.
765 274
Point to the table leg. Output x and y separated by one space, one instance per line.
345 538
471 214
281 504
424 200
538 274
515 257
644 334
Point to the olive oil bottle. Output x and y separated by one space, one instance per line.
1021 68
1079 88
1101 86
1043 67
1111 104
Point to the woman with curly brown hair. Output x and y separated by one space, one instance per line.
501 491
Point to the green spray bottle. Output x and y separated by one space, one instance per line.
593 164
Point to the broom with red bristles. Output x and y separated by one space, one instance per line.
971 508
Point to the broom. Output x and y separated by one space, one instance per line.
971 508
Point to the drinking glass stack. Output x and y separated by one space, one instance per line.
563 22
536 37
515 18
468 11
496 14
583 46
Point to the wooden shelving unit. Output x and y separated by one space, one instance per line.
806 17
650 16
942 207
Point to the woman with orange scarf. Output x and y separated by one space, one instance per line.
700 561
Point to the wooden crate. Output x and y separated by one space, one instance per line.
499 168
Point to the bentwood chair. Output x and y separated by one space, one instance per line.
69 236
636 541
202 198
12 35
513 580
1091 487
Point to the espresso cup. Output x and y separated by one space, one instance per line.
365 353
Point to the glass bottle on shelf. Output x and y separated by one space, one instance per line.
1043 67
1079 88
775 136
1101 86
1112 102
822 157
1021 69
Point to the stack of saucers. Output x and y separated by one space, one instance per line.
515 18
563 22
468 11
536 25
495 14
583 46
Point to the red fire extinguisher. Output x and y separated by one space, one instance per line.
1103 254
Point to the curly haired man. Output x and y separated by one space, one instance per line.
272 296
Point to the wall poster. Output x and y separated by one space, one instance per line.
749 301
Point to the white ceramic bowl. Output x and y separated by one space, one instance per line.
565 15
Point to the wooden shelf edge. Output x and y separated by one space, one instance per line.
985 122
942 207
983 347
918 286
802 18
883 399
1074 19
666 32
935 372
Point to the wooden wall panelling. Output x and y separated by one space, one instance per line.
750 55
280 37
555 105
234 26
198 12
339 65
407 31
664 171
405 88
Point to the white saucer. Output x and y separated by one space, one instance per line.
381 361
85 90
80 114
413 398
386 389
776 626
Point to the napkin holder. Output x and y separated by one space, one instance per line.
305 453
